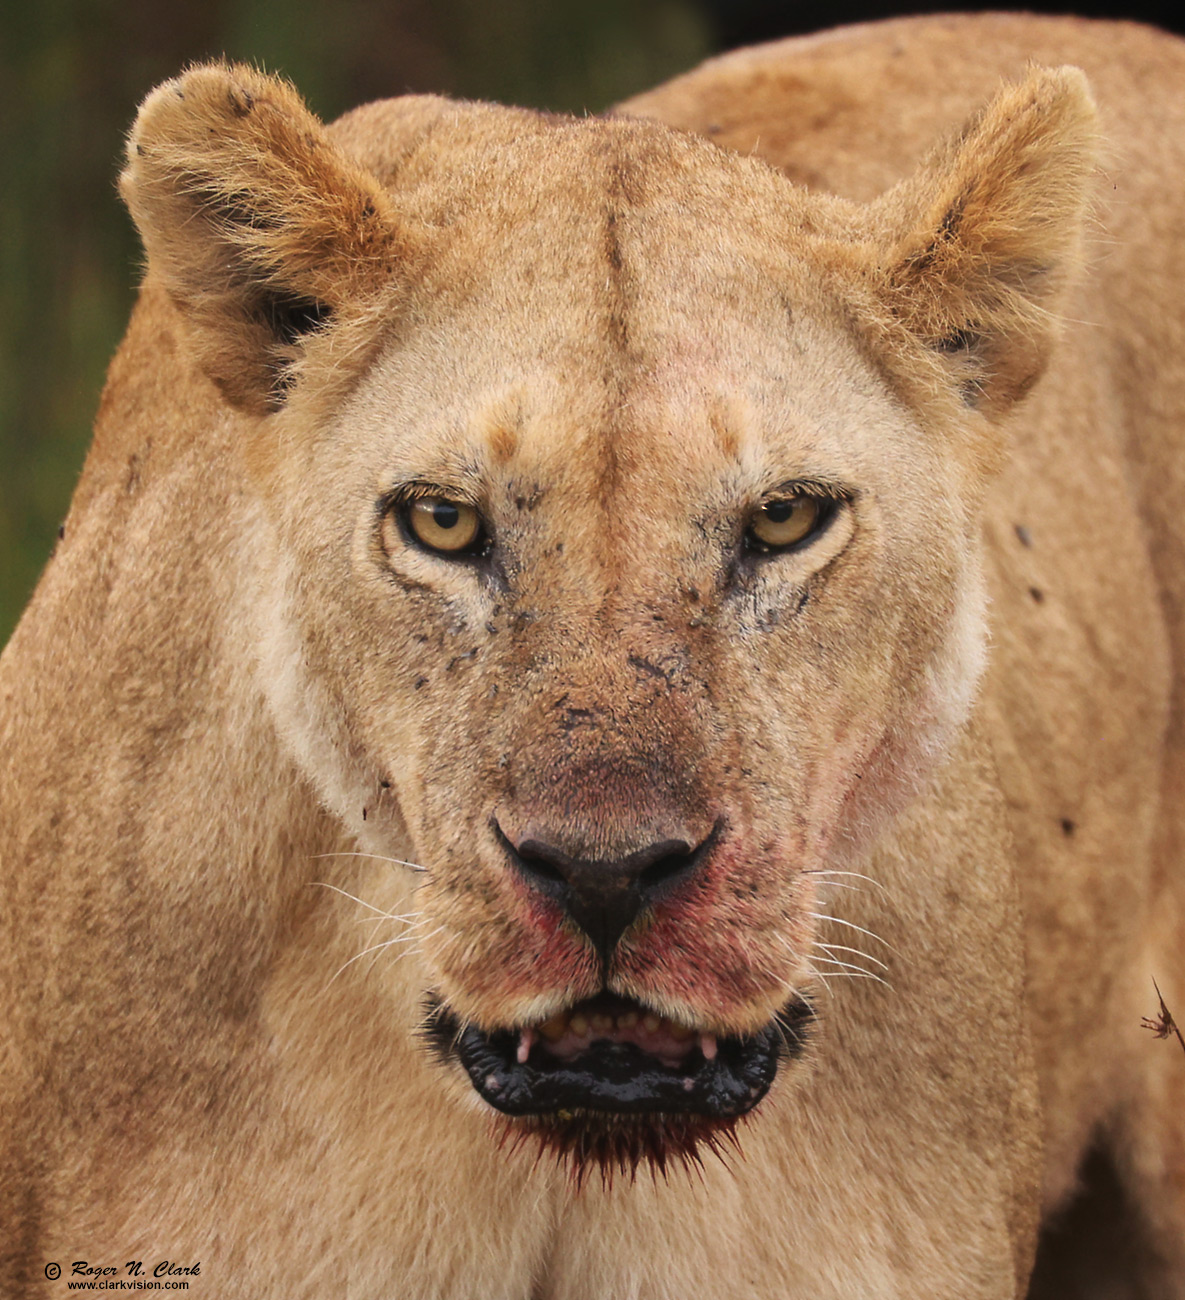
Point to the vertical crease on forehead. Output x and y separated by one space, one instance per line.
618 200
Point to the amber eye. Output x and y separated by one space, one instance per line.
443 525
779 524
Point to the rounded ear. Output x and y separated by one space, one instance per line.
260 228
973 253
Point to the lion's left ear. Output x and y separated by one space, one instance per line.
259 226
973 253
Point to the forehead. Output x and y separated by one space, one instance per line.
625 227
614 290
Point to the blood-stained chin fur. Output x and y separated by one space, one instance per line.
589 1142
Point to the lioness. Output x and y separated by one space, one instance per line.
604 724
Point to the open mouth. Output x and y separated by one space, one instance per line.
615 1057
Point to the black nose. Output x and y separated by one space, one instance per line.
604 896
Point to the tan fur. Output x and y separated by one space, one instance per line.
233 713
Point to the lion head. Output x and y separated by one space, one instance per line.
617 541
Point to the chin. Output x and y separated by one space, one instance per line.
610 1085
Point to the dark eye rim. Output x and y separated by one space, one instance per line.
397 505
832 501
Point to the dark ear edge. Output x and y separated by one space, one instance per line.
973 253
261 229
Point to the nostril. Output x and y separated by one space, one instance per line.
667 870
540 860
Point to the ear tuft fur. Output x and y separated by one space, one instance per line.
259 226
976 249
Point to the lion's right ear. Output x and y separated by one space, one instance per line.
975 251
260 228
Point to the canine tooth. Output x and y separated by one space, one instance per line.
553 1029
525 1041
579 1025
707 1045
651 1023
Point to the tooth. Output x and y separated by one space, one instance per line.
627 1020
650 1022
680 1033
553 1029
579 1025
707 1045
602 1023
526 1039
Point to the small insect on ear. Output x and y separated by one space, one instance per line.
261 229
974 252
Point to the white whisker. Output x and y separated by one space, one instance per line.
821 916
856 952
357 957
374 857
828 873
843 975
378 947
847 966
847 969
324 884
387 916
820 978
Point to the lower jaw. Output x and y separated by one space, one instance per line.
615 1107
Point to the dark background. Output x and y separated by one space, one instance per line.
73 71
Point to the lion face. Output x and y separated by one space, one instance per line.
617 557
643 630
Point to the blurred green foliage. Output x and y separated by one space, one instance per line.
71 75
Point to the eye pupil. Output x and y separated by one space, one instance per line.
779 511
439 524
